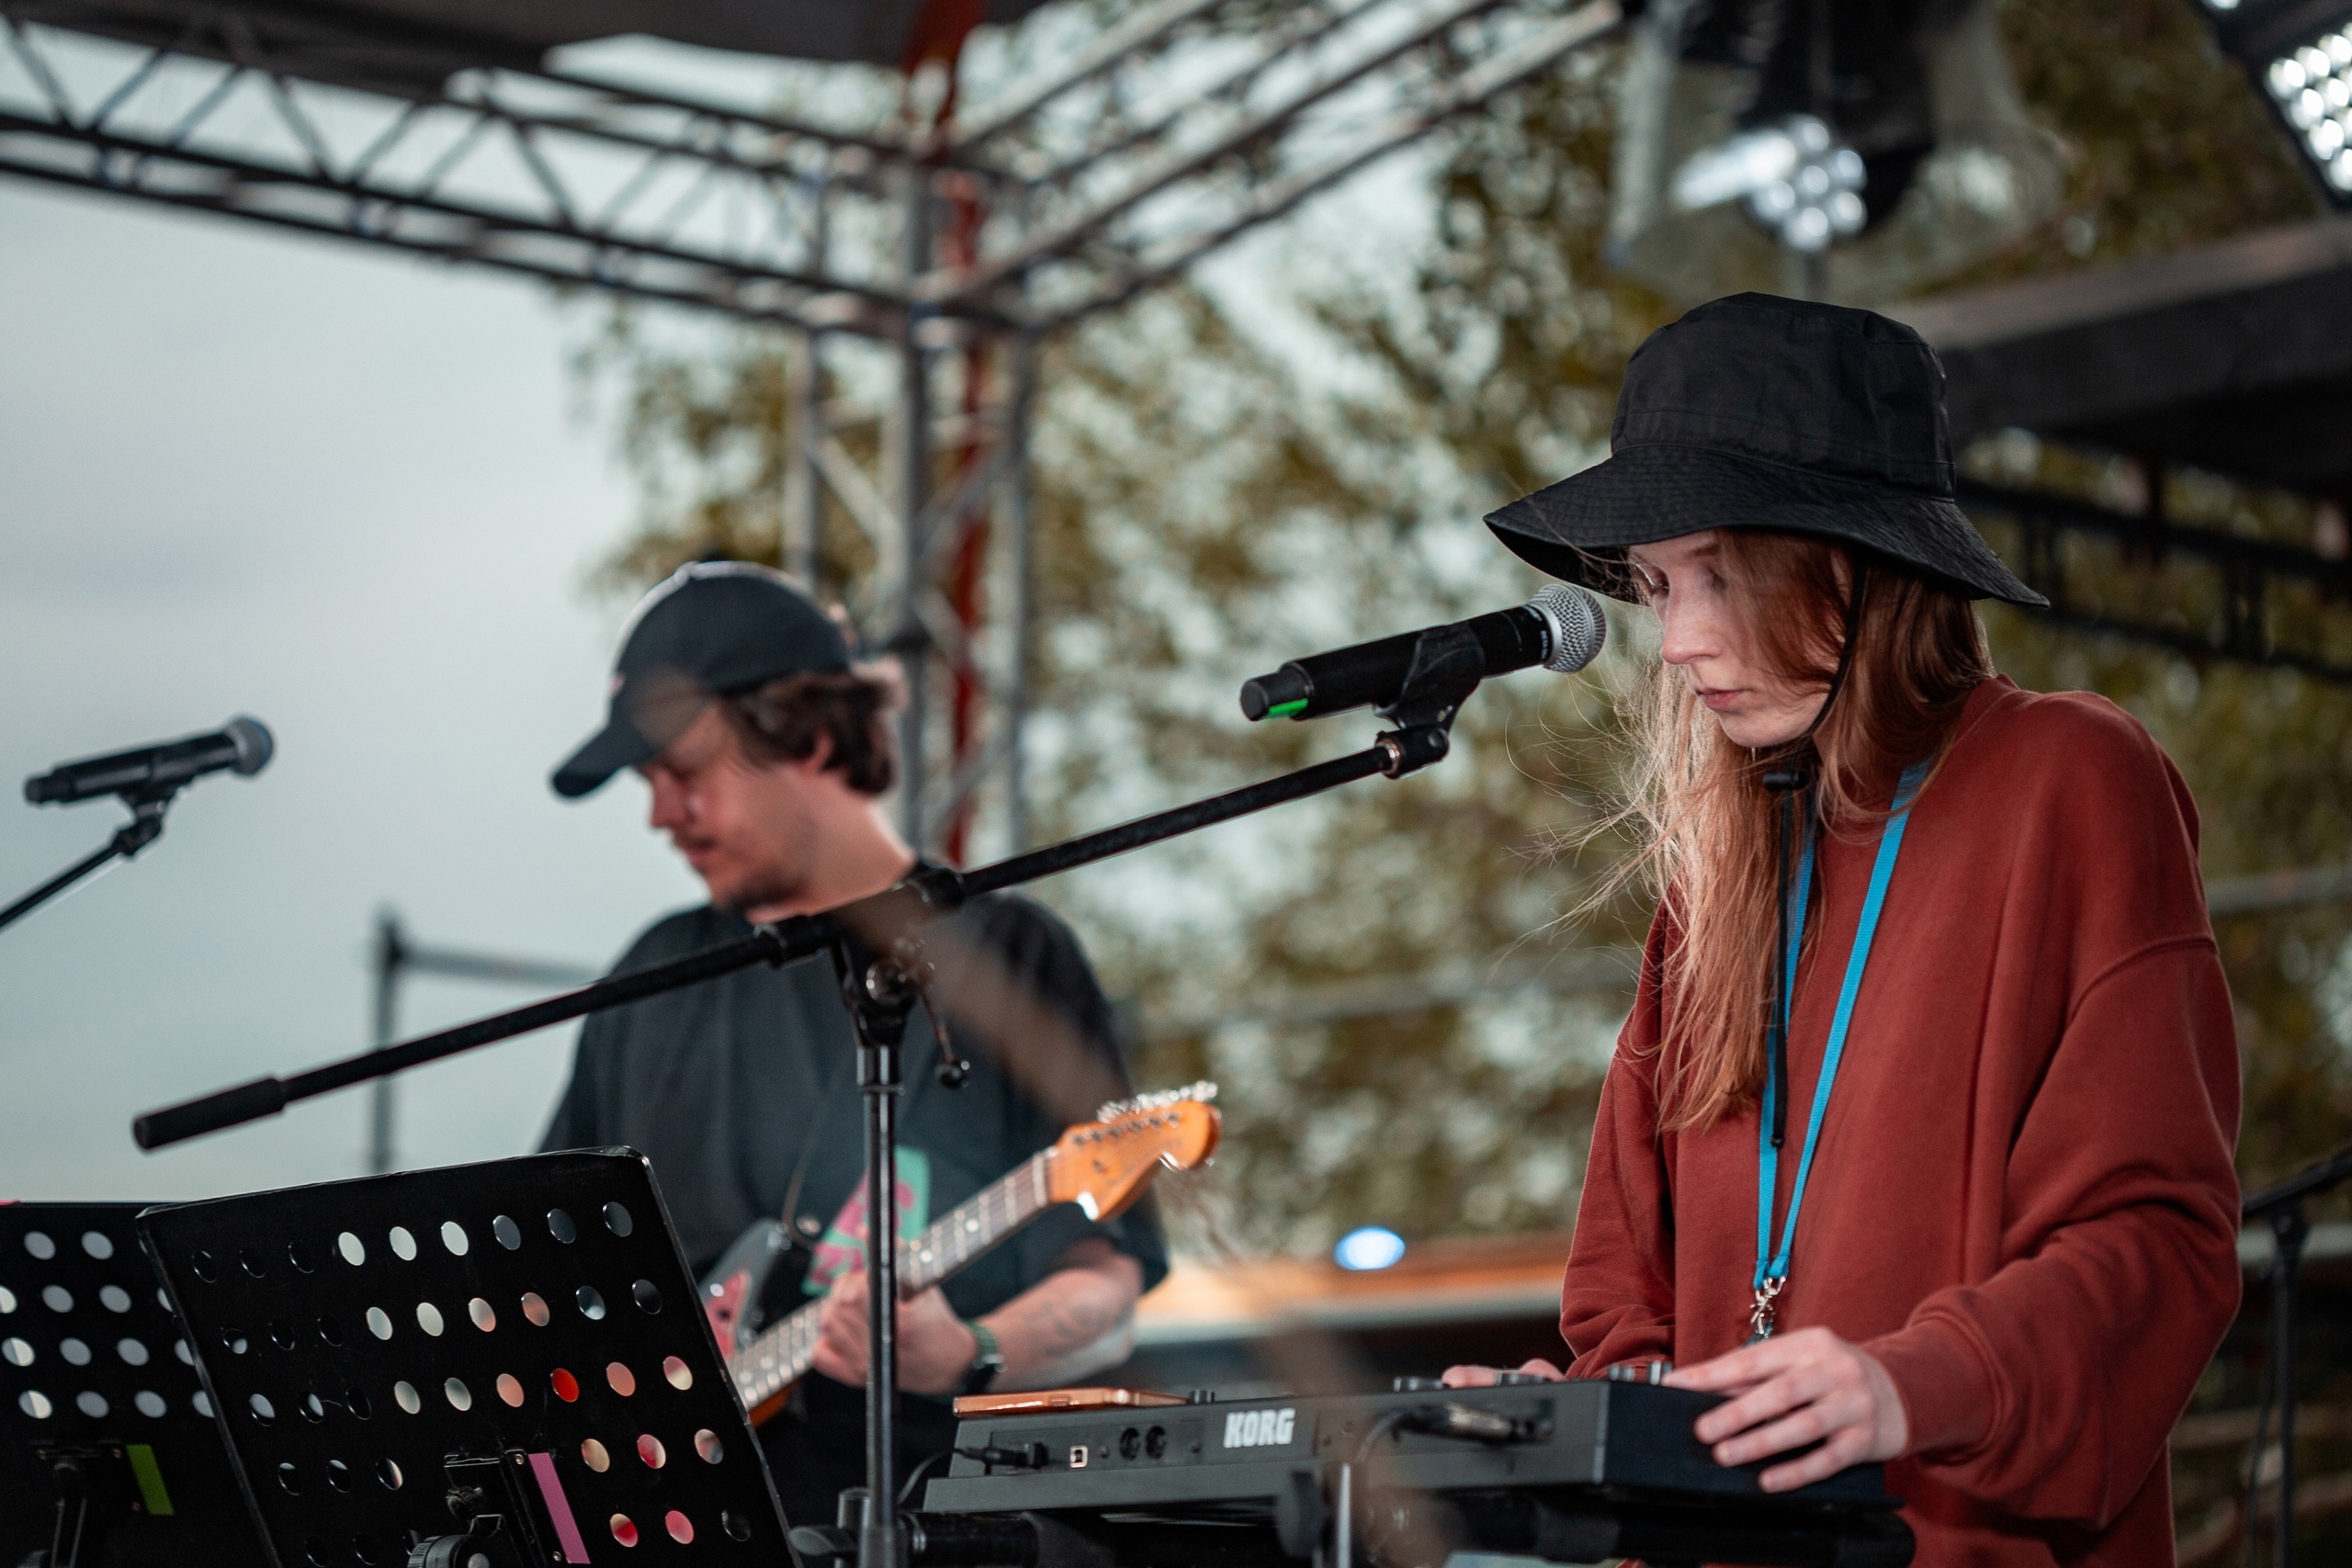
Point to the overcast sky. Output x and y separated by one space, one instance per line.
342 492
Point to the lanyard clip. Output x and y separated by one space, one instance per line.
1760 1316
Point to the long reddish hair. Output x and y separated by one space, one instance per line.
1708 825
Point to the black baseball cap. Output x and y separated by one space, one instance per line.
1761 412
714 629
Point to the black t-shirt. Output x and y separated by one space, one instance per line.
734 1086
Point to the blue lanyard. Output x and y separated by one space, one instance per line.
1771 1267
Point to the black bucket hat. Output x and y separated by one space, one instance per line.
1756 412
714 627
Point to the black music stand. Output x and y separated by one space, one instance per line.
109 1454
504 1364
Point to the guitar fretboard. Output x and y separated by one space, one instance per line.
780 1357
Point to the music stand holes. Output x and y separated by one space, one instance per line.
682 1529
289 1481
708 1449
263 1411
479 1309
16 1352
593 1455
622 1380
163 1301
509 1233
358 1403
566 1386
39 1245
76 1354
282 1334
452 1236
535 1307
737 1527
428 1318
8 1301
461 1397
380 1323
339 1476
648 1298
313 1408
301 1258
624 1531
254 1265
90 1402
388 1475
618 1218
233 1340
114 1298
98 1245
354 1250
404 1395
329 1332
679 1375
591 1305
649 1450
314 1552
132 1351
201 1403
150 1404
35 1403
363 1551
57 1298
510 1391
403 1245
206 1267
559 1226
186 1356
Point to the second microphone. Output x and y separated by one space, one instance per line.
1561 628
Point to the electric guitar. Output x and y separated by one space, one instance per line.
1102 1165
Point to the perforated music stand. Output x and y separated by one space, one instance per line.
105 1430
403 1357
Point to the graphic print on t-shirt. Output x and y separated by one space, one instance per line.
843 1248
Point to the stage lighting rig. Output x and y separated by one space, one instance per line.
1848 150
2298 55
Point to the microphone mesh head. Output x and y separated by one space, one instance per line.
1578 628
251 739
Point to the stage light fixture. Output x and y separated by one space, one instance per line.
1848 149
2298 54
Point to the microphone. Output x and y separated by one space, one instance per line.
242 745
1561 628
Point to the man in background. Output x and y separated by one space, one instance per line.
767 754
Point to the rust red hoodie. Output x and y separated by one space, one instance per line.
2023 1202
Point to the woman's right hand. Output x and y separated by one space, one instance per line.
1484 1377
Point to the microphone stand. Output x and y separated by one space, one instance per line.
146 824
2282 1207
877 959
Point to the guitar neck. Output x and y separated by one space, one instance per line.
781 1356
974 1226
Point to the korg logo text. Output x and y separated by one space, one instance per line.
1259 1428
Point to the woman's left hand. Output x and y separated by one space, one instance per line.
1794 1389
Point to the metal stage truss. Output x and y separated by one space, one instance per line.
1181 126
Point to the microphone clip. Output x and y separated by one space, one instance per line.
1447 666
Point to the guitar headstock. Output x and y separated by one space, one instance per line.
1104 1165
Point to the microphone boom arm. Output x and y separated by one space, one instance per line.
146 824
1446 667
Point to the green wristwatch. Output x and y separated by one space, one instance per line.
988 1360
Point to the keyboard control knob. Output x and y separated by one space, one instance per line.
1417 1385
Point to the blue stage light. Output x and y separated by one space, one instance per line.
1371 1246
